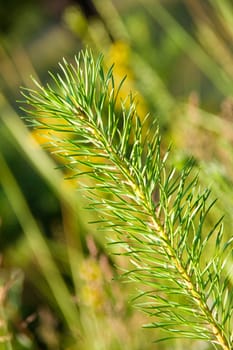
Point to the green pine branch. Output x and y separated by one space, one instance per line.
178 260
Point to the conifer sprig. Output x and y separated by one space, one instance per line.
177 259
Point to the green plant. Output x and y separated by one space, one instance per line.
157 215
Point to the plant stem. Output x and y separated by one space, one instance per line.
216 330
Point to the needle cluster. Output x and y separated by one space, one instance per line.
159 215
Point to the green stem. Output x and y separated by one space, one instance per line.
5 337
214 326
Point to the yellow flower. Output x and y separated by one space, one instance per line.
90 270
92 291
120 54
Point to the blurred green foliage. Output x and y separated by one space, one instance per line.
61 288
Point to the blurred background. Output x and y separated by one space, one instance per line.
59 287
